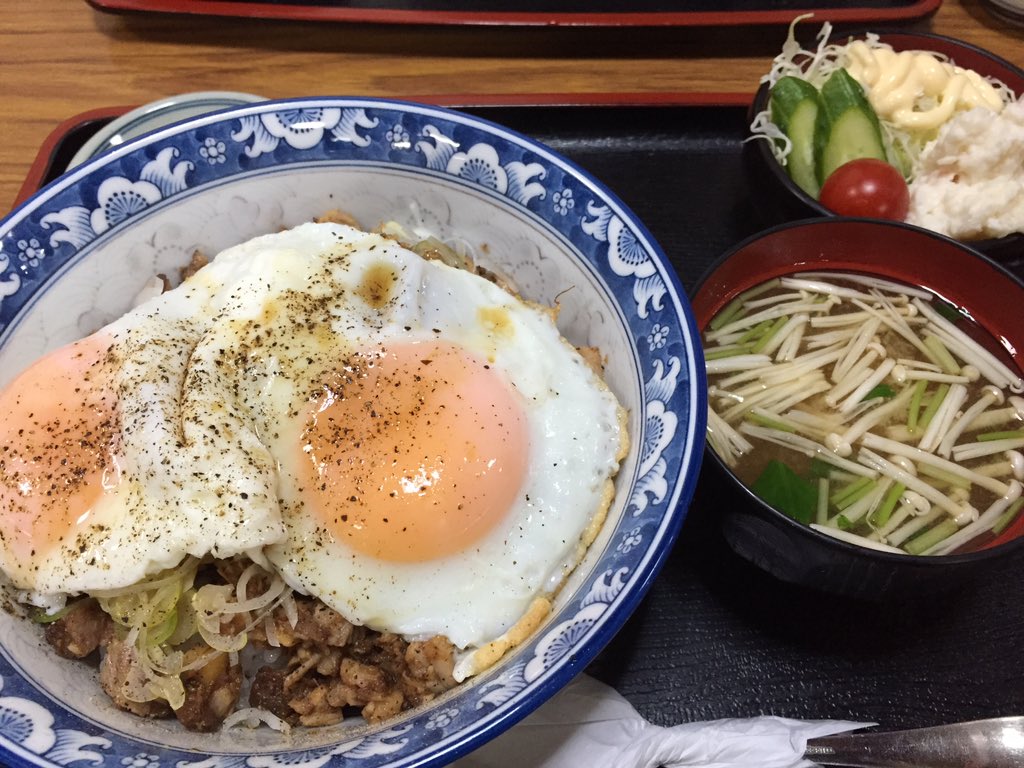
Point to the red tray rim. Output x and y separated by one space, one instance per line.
310 12
45 155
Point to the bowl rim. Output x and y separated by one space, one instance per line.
804 531
778 171
673 507
155 113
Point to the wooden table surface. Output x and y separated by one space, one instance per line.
61 57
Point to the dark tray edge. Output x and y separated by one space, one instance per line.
917 10
44 166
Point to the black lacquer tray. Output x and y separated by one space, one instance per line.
715 637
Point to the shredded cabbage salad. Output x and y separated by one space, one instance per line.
815 65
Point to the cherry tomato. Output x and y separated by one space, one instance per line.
866 187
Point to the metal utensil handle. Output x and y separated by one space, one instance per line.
995 743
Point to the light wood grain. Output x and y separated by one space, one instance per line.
61 57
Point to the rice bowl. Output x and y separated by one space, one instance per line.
77 252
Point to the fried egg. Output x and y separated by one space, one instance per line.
108 474
406 441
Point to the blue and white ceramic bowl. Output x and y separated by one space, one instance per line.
73 256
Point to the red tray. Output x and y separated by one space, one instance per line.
681 13
67 137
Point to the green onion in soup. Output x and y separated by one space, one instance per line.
869 410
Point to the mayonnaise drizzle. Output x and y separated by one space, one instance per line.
916 90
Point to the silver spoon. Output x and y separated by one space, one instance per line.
994 743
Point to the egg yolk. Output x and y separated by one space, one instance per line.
414 451
57 441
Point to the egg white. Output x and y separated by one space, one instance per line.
575 437
183 481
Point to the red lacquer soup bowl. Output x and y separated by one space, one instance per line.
980 288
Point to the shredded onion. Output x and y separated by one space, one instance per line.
277 586
252 717
270 628
212 605
291 610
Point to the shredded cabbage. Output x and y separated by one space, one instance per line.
794 60
815 66
762 127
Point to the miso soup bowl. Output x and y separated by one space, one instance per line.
784 200
990 293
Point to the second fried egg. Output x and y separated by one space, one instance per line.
442 450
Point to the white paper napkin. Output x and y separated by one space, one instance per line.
590 724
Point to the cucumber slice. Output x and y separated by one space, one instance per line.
847 127
794 109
